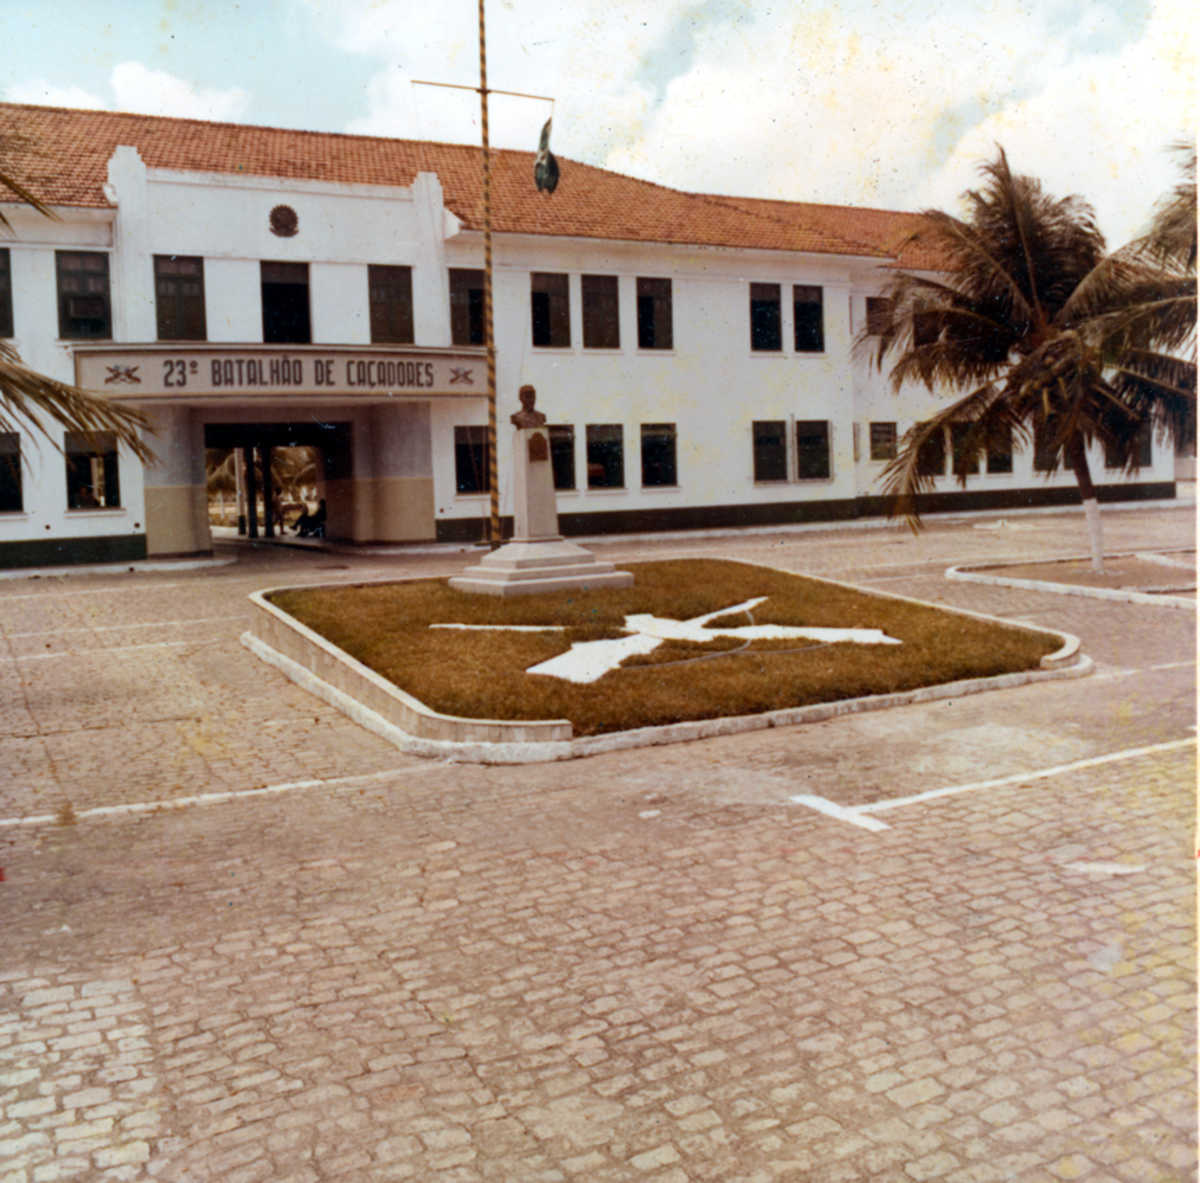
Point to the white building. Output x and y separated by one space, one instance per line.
249 286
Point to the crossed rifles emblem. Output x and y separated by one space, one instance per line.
588 661
122 374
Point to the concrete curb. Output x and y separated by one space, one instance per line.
297 652
286 637
980 573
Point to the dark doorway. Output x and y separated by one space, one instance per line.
285 304
253 445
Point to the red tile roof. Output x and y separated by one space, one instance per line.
892 232
62 156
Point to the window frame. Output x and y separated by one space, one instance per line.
882 444
804 453
600 299
390 303
1145 457
762 459
562 455
667 464
12 485
960 464
878 315
1000 455
766 326
815 334
6 304
66 331
655 313
471 459
94 446
935 443
596 443
550 309
280 273
184 306
467 306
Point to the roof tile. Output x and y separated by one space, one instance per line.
62 155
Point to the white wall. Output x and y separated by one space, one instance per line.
711 384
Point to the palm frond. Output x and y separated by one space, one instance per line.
32 397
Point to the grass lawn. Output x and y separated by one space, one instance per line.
481 674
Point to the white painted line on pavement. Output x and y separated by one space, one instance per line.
859 815
1105 868
78 653
113 628
134 807
845 813
1038 774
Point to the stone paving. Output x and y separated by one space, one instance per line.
644 965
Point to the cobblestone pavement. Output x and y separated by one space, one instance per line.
649 965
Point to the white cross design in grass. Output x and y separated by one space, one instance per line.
588 661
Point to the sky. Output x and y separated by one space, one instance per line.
856 102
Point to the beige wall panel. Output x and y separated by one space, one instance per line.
386 509
177 520
404 508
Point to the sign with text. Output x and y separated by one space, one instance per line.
161 372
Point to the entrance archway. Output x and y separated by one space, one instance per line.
253 444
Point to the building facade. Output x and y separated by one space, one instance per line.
253 287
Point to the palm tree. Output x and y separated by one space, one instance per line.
27 395
1053 339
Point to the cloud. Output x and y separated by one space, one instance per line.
45 94
834 105
584 56
1100 127
136 87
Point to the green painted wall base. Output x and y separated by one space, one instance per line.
62 552
778 513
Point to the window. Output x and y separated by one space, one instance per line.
883 441
931 459
549 307
658 454
1144 450
471 468
605 456
812 449
601 329
466 306
285 304
179 297
879 315
809 312
766 324
962 463
389 290
655 330
92 478
999 453
1045 458
10 473
926 325
770 450
6 318
562 455
83 300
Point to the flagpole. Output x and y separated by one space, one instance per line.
489 340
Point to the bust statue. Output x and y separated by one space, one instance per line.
527 416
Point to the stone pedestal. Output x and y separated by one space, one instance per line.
538 559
